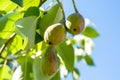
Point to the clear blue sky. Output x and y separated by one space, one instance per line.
106 15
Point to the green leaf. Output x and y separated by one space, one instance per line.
72 41
15 45
37 70
57 76
38 38
18 2
26 65
7 5
89 60
54 15
5 73
79 57
66 52
90 32
2 41
32 11
2 12
76 74
25 27
29 3
7 24
82 43
3 21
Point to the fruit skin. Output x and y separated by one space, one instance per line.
75 23
49 62
55 34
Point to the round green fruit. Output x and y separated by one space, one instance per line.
55 34
75 23
49 62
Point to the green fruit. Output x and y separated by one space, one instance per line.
55 34
75 23
49 62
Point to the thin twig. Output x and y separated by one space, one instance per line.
75 8
41 2
4 45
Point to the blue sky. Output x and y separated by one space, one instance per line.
106 54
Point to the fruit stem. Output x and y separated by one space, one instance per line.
41 2
61 9
75 8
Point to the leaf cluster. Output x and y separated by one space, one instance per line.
22 26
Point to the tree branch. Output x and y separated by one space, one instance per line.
4 45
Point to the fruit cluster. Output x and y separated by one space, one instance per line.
55 35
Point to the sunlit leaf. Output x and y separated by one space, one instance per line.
7 5
29 3
8 30
25 27
15 45
1 60
54 15
66 52
7 24
18 2
90 32
41 46
5 73
4 54
89 60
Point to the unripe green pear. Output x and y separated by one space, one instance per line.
55 34
75 23
49 62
